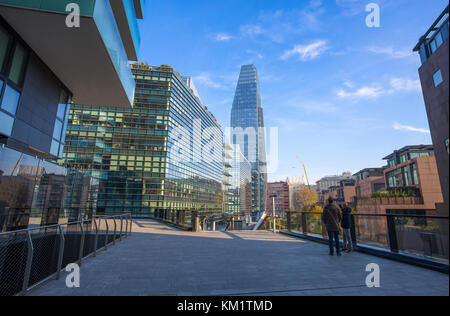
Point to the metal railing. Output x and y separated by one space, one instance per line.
29 257
420 237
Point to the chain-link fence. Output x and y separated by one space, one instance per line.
31 256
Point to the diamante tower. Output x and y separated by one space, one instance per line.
247 117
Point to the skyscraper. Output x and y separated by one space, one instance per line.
247 122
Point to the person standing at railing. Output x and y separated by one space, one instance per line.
346 224
331 217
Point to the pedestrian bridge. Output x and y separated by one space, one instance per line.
160 260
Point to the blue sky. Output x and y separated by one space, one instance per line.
342 95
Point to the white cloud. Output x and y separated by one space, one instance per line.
406 84
307 52
276 25
252 30
222 37
290 125
407 128
374 91
364 92
206 80
391 52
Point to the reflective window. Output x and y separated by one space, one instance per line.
4 42
437 78
57 130
6 124
17 65
54 148
10 100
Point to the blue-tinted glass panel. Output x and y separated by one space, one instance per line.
437 78
106 23
10 100
6 124
57 130
54 148
61 111
18 64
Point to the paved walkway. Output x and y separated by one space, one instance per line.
160 260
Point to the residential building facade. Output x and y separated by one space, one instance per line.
433 48
279 190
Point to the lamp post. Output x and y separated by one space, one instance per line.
273 213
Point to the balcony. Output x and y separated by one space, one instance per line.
391 201
91 60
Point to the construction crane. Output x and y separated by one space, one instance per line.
304 168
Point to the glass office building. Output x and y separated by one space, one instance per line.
240 189
247 122
163 158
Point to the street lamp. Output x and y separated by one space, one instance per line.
273 213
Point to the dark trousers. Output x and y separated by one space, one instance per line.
333 239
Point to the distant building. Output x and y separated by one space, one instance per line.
149 159
281 192
369 181
412 180
409 185
327 183
433 48
239 186
345 192
247 115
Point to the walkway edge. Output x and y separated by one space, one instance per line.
382 254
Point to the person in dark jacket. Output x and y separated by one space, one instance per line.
346 225
331 218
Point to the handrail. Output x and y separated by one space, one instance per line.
28 267
63 224
378 215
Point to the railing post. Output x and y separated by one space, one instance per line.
106 236
304 226
62 242
353 230
131 223
126 227
96 237
121 227
80 255
289 223
115 230
393 243
26 275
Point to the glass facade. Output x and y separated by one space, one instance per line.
35 192
12 67
102 14
240 184
431 41
247 122
158 159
